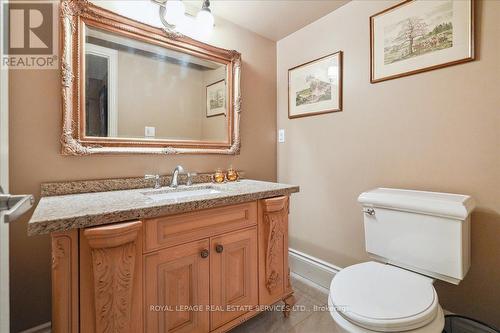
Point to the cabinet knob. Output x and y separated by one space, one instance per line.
204 254
219 248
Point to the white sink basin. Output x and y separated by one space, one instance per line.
160 195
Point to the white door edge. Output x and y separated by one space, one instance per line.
4 182
112 56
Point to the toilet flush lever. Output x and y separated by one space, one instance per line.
369 211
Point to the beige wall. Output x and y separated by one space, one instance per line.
174 103
35 127
172 98
437 131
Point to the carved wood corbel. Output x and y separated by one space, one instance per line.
275 214
114 252
65 301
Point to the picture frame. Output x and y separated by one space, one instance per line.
216 98
315 87
416 36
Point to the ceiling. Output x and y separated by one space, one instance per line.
273 19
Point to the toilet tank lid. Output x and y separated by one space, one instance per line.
457 206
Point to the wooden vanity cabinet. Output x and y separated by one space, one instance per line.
201 271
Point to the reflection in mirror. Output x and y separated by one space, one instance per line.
138 90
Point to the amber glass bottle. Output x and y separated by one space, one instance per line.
218 176
232 174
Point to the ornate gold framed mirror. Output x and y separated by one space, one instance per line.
128 87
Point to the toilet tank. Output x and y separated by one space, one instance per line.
425 232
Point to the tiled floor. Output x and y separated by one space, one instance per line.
309 316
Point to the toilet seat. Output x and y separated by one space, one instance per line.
384 298
344 326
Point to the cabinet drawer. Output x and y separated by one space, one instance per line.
177 229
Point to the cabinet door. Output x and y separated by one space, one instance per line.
274 275
233 266
176 288
111 278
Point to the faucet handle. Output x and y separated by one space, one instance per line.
156 178
190 175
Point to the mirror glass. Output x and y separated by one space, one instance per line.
138 90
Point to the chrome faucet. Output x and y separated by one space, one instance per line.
175 176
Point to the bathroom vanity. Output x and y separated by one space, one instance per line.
200 258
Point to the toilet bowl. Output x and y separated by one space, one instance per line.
415 237
375 297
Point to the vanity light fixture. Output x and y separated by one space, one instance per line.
204 18
172 12
173 15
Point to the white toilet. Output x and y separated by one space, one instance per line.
415 237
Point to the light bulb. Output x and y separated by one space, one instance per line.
205 21
174 11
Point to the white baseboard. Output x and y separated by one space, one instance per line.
40 328
312 268
316 270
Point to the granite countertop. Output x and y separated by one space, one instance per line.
65 212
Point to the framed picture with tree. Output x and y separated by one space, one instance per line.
420 35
